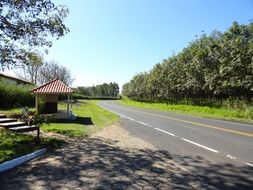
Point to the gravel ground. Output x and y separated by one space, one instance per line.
122 138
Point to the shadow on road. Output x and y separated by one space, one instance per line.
98 164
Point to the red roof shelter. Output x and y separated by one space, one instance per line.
49 93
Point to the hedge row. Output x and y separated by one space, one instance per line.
13 96
82 97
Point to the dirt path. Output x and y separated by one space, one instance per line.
122 138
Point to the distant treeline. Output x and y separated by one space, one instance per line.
104 90
215 66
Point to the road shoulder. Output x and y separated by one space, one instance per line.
122 138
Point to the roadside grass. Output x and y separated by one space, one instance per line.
14 111
88 112
13 145
85 110
202 111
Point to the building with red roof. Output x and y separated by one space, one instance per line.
48 93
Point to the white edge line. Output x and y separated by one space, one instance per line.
200 145
165 132
142 123
248 164
129 118
125 116
230 156
20 160
117 113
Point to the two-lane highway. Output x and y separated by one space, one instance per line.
215 140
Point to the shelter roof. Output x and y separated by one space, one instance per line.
53 87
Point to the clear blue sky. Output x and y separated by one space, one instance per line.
112 40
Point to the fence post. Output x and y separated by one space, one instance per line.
38 134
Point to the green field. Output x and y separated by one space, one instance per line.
202 111
87 112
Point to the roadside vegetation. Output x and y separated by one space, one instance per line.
104 91
13 95
13 145
91 118
214 71
203 111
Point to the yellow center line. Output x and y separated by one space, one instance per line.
199 124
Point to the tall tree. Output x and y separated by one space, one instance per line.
236 63
30 69
51 70
26 26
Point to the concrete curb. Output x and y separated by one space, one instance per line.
20 160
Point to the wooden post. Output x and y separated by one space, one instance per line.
68 107
36 103
71 102
38 135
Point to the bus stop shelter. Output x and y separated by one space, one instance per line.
49 93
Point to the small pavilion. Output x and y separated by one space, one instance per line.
49 93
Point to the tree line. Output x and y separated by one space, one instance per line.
104 90
215 66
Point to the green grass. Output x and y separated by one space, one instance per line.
14 111
85 109
13 145
202 111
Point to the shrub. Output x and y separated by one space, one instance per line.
249 112
12 95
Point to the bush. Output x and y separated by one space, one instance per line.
249 113
13 96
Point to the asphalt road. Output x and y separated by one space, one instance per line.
202 145
183 134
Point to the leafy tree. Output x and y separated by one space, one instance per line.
236 65
30 69
26 26
154 82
